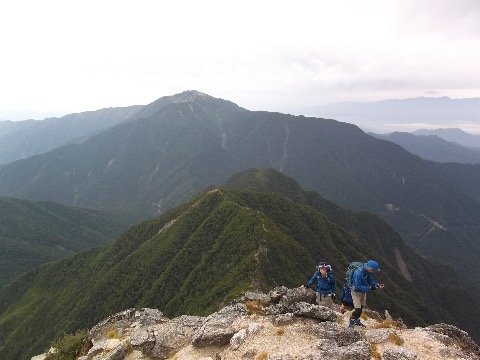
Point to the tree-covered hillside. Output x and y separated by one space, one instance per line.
32 233
202 254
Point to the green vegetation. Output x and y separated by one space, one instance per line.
32 233
202 254
69 347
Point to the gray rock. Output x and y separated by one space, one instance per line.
170 337
373 314
347 336
263 298
376 336
326 344
118 353
217 328
142 339
194 322
238 339
250 354
359 350
452 353
275 310
102 346
458 336
326 330
313 311
283 319
276 294
254 328
399 353
127 319
300 294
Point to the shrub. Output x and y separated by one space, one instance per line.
394 338
262 356
113 334
280 331
69 347
375 353
253 306
128 347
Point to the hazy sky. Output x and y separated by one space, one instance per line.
63 56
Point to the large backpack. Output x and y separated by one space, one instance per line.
349 273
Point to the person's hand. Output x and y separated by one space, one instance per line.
381 286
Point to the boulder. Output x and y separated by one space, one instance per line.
359 350
459 337
347 336
376 336
399 353
296 295
217 328
313 311
237 339
127 319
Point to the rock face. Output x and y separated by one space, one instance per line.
283 325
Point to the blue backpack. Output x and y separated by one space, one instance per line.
349 273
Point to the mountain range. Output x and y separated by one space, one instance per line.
433 147
177 146
404 114
453 135
22 139
256 231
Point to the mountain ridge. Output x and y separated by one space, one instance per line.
203 253
21 139
283 324
433 147
152 163
452 134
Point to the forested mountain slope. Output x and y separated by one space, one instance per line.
203 253
32 233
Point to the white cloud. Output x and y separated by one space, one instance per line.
271 55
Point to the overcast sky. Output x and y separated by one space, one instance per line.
59 57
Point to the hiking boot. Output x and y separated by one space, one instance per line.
359 323
351 323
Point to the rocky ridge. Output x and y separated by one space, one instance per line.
282 325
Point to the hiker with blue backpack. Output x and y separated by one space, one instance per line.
346 299
325 287
359 279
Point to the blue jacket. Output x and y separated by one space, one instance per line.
362 280
346 294
325 284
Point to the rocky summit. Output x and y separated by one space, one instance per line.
284 324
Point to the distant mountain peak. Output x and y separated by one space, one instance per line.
189 95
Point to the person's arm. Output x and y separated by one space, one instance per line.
371 282
312 280
333 284
358 283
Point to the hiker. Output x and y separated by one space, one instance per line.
325 287
346 298
362 283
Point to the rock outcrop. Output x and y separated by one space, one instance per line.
283 325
